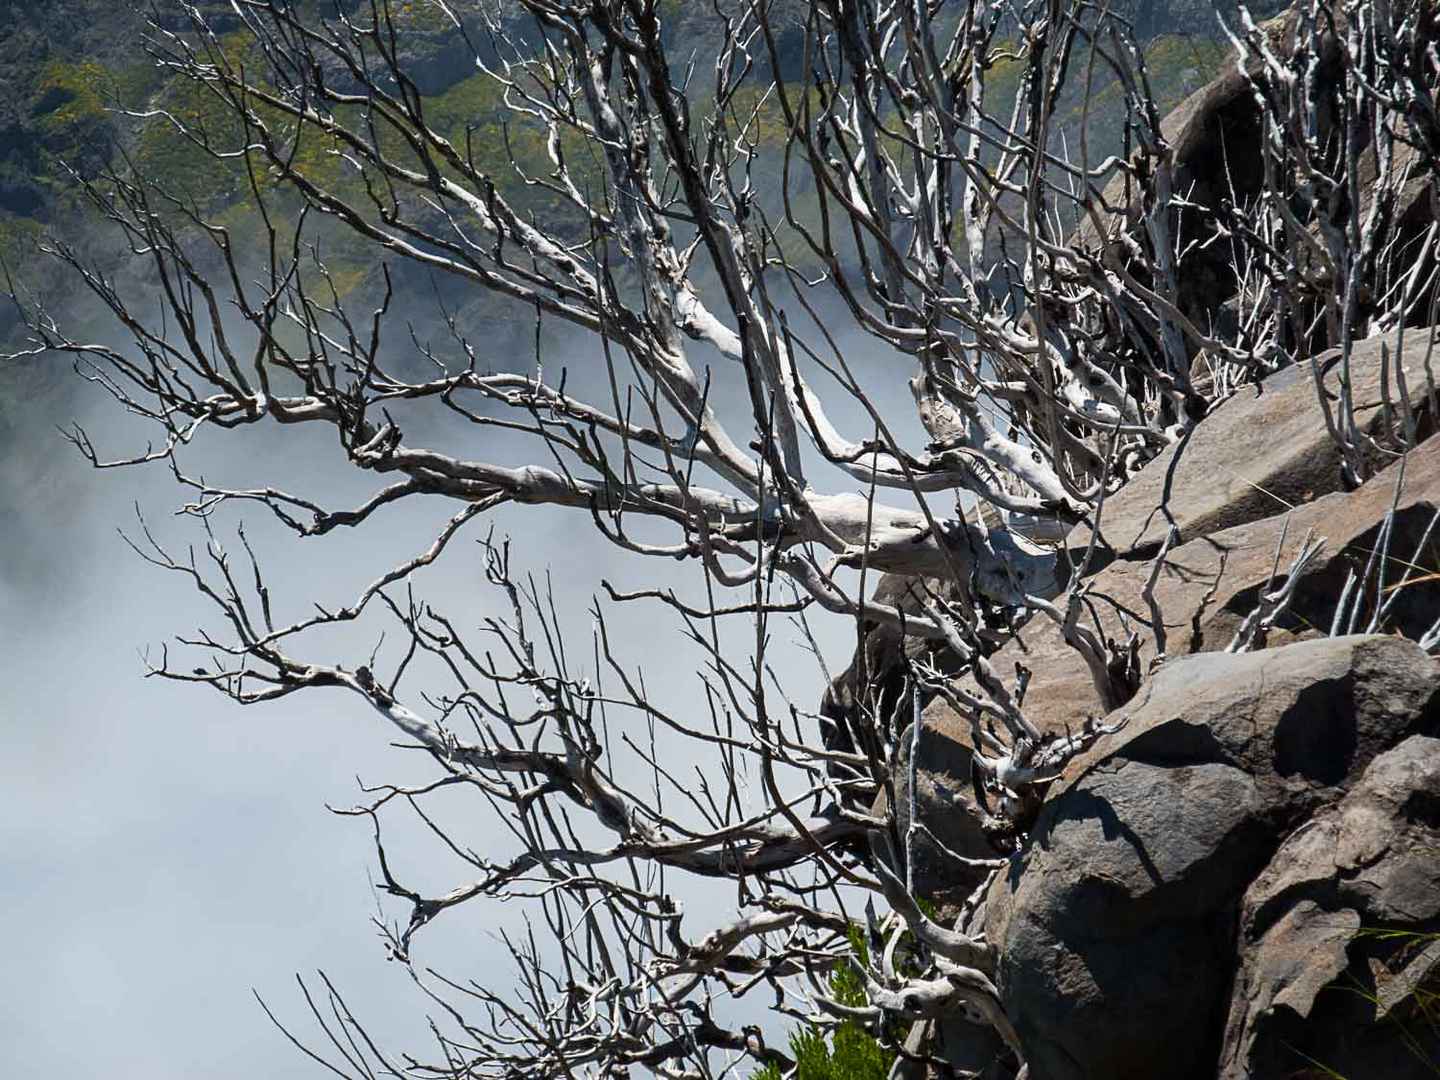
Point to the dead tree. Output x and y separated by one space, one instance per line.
943 216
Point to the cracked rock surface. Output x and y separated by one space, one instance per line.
1225 860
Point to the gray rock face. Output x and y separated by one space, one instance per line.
1260 452
1232 568
950 817
872 686
1117 925
876 675
1338 931
1215 129
1216 145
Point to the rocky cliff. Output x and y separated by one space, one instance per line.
1240 877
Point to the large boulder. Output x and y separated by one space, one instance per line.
953 824
1217 156
857 710
1117 924
1216 144
1216 153
1264 449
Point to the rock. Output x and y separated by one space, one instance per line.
1232 567
877 673
1313 985
961 1046
937 876
1260 451
1216 145
1217 156
871 687
1115 923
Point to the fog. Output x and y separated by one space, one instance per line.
167 854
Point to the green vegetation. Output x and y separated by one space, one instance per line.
850 1052
17 237
73 121
71 116
419 15
74 109
184 167
69 108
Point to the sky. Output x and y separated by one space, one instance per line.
165 854
164 851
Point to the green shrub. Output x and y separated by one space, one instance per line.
70 115
851 1052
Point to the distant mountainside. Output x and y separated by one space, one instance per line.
66 65
63 62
